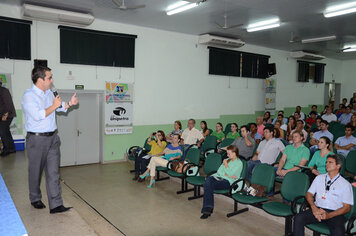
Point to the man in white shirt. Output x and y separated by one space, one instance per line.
345 118
329 116
267 151
190 136
346 143
333 199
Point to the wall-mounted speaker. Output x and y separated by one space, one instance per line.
272 69
38 63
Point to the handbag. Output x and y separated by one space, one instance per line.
260 190
177 166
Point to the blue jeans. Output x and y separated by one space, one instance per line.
250 166
210 185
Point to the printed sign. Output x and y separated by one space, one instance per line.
118 114
118 92
118 130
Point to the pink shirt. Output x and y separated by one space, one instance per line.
260 129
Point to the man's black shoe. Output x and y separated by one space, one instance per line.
38 205
204 216
59 209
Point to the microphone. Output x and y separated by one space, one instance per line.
55 93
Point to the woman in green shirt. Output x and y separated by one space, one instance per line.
234 134
229 171
219 133
318 161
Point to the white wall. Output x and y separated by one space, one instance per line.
170 75
348 86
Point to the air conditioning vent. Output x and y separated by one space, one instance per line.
56 15
306 55
213 40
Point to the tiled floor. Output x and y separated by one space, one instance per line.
130 206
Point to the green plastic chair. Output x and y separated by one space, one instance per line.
226 142
350 162
294 187
192 157
145 146
227 128
323 228
262 174
208 146
211 165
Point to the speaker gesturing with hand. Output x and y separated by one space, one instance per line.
42 142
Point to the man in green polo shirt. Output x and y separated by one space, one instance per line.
295 154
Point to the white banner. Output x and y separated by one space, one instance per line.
118 114
118 130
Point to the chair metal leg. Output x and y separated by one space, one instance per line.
184 187
235 212
316 233
196 193
288 226
160 179
132 171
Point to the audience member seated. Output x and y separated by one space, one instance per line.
260 125
297 116
229 171
267 151
254 134
293 156
344 102
353 99
278 125
191 136
341 111
177 130
314 108
345 118
219 132
346 143
292 123
311 119
204 128
172 152
324 111
317 164
244 144
280 116
353 120
330 197
317 125
329 116
299 127
317 135
267 118
158 143
234 134
298 109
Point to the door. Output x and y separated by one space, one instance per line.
79 130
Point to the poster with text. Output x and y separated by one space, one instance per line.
118 114
118 92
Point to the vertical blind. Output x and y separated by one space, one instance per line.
15 39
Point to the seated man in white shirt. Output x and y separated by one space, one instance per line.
190 136
345 118
267 151
329 116
314 108
317 135
280 116
299 110
330 197
346 143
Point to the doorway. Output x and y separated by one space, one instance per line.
332 94
80 129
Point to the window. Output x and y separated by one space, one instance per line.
15 40
236 63
90 47
310 71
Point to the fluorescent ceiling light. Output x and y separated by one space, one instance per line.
176 5
182 8
263 27
349 50
319 39
265 22
339 10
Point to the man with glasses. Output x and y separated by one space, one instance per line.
330 197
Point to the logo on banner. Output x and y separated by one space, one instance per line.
119 113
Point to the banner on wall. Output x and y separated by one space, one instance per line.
118 92
118 108
270 90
